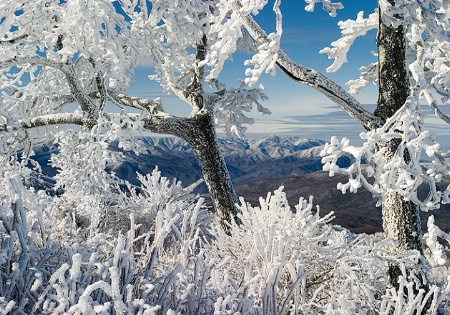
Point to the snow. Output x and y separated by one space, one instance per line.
278 261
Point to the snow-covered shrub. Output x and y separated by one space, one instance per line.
412 298
287 257
26 249
44 271
274 249
292 261
81 163
156 194
110 274
164 261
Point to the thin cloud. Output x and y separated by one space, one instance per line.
300 36
145 62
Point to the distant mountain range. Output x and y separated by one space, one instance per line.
247 160
256 166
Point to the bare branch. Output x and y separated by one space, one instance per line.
311 77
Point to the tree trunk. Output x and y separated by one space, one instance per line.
401 219
201 136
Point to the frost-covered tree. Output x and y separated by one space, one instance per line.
412 62
412 66
58 52
85 51
274 260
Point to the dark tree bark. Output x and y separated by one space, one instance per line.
401 220
215 172
200 133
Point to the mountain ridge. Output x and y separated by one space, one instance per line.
265 157
256 167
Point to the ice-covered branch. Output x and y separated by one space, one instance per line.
433 104
73 81
230 107
177 41
166 124
368 74
403 173
63 99
309 76
351 29
327 5
266 56
328 88
152 106
427 24
78 92
158 122
33 60
436 252
47 120
13 40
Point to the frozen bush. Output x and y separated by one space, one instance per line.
295 262
166 261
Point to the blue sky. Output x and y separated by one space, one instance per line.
296 109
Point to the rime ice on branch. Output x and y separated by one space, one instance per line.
84 52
